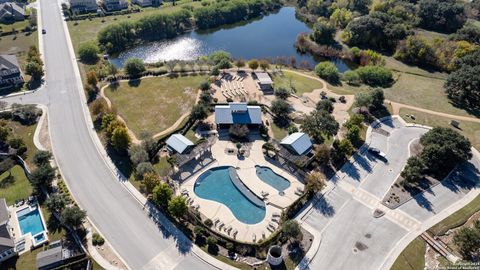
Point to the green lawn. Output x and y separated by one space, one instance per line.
162 167
412 257
87 30
154 104
458 218
300 83
26 133
20 188
278 133
18 26
471 130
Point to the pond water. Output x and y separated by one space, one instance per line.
271 36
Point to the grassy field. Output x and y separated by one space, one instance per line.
87 30
20 188
300 83
412 257
26 133
278 133
154 104
458 218
422 92
470 130
18 26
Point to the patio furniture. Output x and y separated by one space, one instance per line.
221 225
228 229
276 220
254 237
270 229
272 225
235 232
276 214
215 221
184 191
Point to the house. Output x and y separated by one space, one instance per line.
83 6
238 113
264 81
179 144
11 11
114 5
147 3
56 255
297 143
7 245
10 73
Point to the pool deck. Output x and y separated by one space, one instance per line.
246 171
27 239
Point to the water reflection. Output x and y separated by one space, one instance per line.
269 37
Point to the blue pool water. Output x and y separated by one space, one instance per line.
30 221
216 184
270 177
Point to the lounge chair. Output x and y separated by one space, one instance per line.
264 193
276 220
272 225
270 229
235 232
228 229
215 221
220 225
184 191
276 214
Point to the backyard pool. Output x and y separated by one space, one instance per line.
221 184
30 221
270 177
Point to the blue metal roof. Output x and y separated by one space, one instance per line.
299 142
238 113
179 143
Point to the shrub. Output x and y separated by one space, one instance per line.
352 77
134 67
375 76
88 53
328 71
208 222
97 239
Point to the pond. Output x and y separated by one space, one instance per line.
271 36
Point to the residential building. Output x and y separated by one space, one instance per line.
238 113
11 11
7 244
10 73
297 143
147 3
178 143
55 256
264 81
83 6
114 5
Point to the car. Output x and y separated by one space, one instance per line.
377 152
44 31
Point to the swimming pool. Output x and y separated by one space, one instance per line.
270 177
30 221
221 184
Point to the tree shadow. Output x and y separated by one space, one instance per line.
7 181
134 83
349 169
324 207
423 202
465 178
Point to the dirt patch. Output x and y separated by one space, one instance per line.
400 194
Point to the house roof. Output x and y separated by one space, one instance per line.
49 257
179 143
299 142
8 61
238 113
11 9
3 211
264 78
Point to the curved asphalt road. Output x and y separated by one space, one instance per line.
138 240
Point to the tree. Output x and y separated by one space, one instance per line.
323 33
73 217
6 165
468 240
315 181
322 154
120 139
219 56
142 169
35 70
328 71
150 181
325 105
282 92
418 51
41 157
441 15
253 64
92 78
199 112
352 77
88 53
25 114
137 154
112 69
469 32
344 148
42 176
177 207
377 98
239 63
463 87
204 85
413 171
291 229
56 203
355 120
353 134
264 65
134 67
341 17
318 124
238 131
162 194
280 108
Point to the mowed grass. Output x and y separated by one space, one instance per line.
20 188
154 104
26 133
471 130
458 218
301 83
87 30
412 257
419 91
18 26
